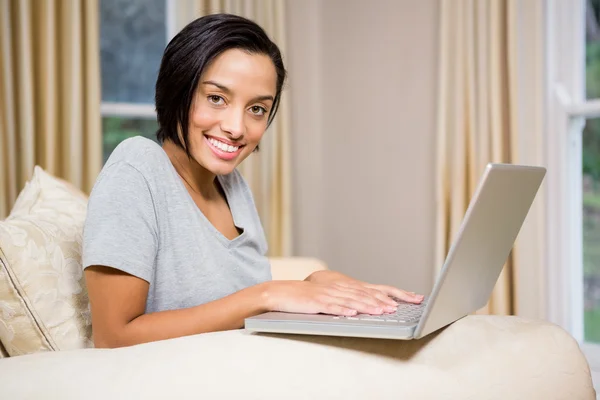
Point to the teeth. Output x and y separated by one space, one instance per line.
223 146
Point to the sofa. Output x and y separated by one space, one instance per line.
47 351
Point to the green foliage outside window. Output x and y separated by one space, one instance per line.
117 129
591 180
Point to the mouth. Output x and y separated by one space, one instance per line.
222 150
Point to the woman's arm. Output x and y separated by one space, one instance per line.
118 302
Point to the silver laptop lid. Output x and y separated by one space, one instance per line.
483 243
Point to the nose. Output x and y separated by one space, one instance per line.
233 123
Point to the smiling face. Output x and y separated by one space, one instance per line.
230 110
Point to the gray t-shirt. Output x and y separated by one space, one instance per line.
142 220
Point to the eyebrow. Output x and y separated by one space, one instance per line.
228 91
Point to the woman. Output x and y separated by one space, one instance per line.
173 245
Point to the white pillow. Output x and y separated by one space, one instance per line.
43 298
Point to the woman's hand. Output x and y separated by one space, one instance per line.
381 292
328 298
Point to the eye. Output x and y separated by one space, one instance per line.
258 110
216 100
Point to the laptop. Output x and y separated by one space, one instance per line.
473 264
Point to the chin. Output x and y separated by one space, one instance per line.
222 169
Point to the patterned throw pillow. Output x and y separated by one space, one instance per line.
43 298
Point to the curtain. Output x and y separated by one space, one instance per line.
49 93
268 171
481 119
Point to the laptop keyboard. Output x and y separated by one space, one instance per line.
406 312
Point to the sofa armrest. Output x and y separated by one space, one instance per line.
478 357
294 268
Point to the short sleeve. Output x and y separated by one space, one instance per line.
121 229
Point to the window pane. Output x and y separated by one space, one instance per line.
593 49
132 40
117 129
591 229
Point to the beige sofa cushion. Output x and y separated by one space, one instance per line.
478 357
43 298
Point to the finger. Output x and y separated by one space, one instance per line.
359 306
335 309
409 297
357 293
378 294
365 296
383 297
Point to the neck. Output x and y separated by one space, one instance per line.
195 176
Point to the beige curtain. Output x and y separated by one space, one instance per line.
268 171
49 93
480 119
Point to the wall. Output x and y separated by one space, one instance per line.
363 92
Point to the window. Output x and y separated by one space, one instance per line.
133 35
591 224
573 178
590 157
